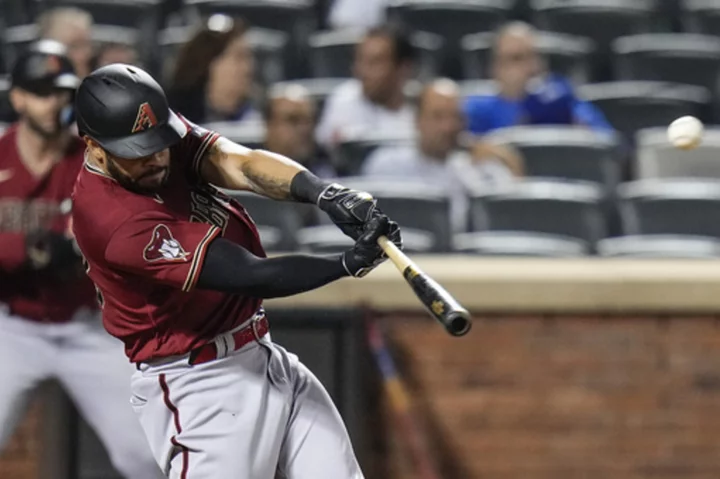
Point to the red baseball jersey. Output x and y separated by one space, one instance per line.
27 203
145 253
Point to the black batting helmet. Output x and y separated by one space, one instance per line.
43 69
125 110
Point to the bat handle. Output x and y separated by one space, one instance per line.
393 252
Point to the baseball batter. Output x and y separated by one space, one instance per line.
49 323
181 275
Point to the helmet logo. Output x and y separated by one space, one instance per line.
145 118
53 64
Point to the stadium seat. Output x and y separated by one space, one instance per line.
670 206
18 12
512 243
329 239
566 54
297 18
565 152
701 16
249 134
277 221
672 57
477 88
127 13
318 88
631 106
600 20
16 39
451 19
660 246
332 53
268 47
144 15
415 206
657 158
283 15
352 153
571 209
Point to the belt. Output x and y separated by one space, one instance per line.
231 341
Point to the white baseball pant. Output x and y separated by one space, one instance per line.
93 369
257 413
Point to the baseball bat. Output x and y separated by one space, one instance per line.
439 303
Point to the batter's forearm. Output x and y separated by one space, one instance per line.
230 268
235 167
271 175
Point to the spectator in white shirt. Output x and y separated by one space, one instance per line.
357 13
435 157
375 100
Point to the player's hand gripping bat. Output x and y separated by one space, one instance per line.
441 305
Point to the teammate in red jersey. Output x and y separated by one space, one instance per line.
49 322
181 275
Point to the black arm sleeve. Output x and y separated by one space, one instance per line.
231 268
305 187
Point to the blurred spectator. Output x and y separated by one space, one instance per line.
290 118
213 76
436 157
114 53
528 93
50 322
375 100
73 28
357 13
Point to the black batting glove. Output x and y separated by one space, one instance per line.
366 254
350 210
50 251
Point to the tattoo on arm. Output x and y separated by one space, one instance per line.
270 174
263 172
267 184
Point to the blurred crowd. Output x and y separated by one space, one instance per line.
363 91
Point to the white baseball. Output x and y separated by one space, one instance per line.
686 132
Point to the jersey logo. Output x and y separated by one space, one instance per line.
145 118
163 246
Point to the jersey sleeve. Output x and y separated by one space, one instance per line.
161 249
191 150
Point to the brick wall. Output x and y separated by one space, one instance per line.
564 397
20 458
538 398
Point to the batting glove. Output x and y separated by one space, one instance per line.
349 209
366 254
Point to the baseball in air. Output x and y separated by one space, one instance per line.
686 132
